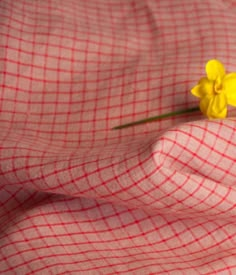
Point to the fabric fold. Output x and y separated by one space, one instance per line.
79 198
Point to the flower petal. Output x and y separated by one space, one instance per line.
204 104
196 91
204 87
229 87
215 69
214 106
219 106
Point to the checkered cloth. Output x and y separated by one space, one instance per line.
79 198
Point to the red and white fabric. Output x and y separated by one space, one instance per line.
79 198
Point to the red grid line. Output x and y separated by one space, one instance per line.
77 197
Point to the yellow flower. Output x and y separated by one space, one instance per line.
216 90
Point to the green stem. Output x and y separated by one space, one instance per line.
154 118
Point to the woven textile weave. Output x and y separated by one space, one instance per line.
79 198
